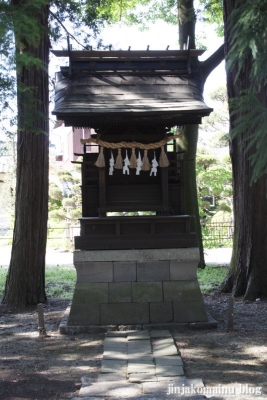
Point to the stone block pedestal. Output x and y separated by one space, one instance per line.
129 287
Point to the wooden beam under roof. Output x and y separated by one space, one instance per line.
81 54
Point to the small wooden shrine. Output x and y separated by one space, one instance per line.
142 268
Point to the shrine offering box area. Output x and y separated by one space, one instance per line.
137 255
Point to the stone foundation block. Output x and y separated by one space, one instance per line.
161 312
124 313
124 271
84 314
147 291
153 271
120 292
90 293
193 312
94 272
181 291
183 270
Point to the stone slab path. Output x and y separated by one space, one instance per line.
140 365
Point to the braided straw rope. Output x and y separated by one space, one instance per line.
130 145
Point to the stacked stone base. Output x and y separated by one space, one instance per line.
130 287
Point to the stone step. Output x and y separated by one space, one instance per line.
153 390
157 397
116 376
111 366
163 333
111 389
138 335
167 370
169 360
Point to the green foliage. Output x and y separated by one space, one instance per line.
58 215
217 124
213 14
154 10
248 35
210 278
64 194
55 195
214 178
214 175
248 40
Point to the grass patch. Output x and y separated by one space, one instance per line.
3 274
210 278
59 281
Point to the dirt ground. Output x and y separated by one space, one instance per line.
53 367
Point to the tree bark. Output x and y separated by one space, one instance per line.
187 20
247 273
25 282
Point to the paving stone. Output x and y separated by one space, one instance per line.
115 344
142 349
163 333
165 350
140 346
139 353
141 367
162 387
120 348
138 335
116 376
164 347
168 350
169 360
108 389
109 366
114 355
169 370
144 341
163 342
142 377
140 357
166 378
158 397
150 361
116 339
117 334
196 382
124 271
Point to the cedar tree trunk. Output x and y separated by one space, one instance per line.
247 274
187 20
25 282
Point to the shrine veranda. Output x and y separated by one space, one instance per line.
138 269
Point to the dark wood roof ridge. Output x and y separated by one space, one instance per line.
127 54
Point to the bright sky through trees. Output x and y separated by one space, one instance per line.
158 37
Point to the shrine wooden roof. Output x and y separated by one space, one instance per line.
122 87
